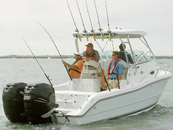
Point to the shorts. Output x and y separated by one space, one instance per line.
74 84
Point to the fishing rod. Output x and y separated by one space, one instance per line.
38 62
92 30
104 77
98 20
54 45
74 21
109 31
82 20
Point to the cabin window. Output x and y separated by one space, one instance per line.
143 59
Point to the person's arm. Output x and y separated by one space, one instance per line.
121 71
90 58
130 59
84 56
97 57
96 60
120 76
69 65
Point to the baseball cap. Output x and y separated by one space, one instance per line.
78 53
89 45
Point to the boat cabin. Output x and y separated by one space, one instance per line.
90 80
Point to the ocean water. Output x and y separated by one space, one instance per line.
27 70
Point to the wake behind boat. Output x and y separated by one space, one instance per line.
139 90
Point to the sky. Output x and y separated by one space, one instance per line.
17 19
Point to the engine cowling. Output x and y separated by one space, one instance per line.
38 100
13 102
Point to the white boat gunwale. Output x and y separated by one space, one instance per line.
140 87
80 114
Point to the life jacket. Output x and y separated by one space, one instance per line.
93 54
110 70
75 69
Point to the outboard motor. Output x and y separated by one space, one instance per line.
13 102
39 99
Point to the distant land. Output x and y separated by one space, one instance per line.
63 56
40 56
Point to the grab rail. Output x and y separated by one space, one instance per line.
167 68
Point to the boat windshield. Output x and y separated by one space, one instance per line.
140 56
106 55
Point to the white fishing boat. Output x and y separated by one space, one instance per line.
140 89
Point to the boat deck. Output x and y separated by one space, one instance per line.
72 100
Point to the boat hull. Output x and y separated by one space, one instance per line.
116 104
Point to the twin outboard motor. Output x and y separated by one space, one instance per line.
28 103
13 102
39 99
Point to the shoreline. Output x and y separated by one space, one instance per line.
39 56
57 57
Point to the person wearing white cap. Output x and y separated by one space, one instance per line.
75 70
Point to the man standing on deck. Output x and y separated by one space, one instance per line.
115 71
75 70
91 54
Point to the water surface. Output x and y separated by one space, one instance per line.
27 70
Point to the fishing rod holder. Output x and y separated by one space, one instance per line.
100 29
85 31
109 31
92 31
97 34
76 30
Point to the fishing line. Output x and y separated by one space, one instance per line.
38 62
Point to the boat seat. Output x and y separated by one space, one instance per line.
90 70
90 85
71 99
